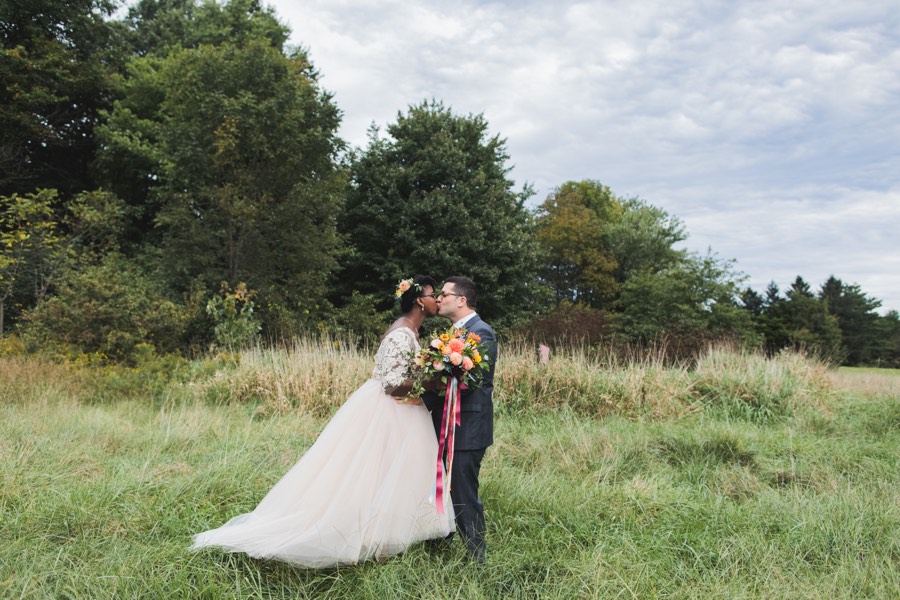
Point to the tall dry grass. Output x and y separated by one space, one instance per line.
593 383
35 381
315 377
881 383
751 385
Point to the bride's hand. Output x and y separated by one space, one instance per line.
413 400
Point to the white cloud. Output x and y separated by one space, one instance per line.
812 232
772 128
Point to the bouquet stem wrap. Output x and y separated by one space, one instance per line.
449 420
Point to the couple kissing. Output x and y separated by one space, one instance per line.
371 485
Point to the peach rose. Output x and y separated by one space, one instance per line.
445 349
437 365
455 358
467 363
457 345
404 285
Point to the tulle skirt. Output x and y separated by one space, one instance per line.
364 490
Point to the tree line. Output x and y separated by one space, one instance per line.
172 178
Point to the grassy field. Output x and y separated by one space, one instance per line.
737 478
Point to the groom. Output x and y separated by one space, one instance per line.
457 302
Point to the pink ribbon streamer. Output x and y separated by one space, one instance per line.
449 419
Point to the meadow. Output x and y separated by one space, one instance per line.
734 477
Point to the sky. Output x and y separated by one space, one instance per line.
770 128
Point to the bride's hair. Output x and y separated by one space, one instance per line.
408 298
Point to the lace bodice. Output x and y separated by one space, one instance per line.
392 358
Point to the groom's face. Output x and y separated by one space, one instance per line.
449 302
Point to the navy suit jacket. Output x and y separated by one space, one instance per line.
476 428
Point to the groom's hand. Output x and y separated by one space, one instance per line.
433 385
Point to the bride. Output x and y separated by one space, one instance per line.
365 489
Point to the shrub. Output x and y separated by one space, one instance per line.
310 375
232 312
750 386
569 324
109 308
360 319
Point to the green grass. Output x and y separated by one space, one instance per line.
866 381
686 493
871 371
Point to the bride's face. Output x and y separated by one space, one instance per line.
429 302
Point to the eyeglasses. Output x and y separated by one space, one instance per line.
428 296
449 294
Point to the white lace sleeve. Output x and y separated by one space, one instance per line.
392 358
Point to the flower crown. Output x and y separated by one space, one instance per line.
404 285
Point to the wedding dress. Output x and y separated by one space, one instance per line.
365 489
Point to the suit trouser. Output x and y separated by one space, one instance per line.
466 503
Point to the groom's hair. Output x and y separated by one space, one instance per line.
408 299
464 287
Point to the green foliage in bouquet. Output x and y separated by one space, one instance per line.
451 353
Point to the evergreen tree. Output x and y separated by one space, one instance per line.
856 317
802 321
887 346
772 324
753 302
435 198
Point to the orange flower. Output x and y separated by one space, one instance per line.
455 358
457 345
474 336
467 363
446 349
476 357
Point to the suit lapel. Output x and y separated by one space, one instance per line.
468 326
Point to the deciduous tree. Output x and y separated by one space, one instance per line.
571 225
31 250
57 68
688 303
236 146
643 239
158 27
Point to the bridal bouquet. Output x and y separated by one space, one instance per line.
453 353
453 358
